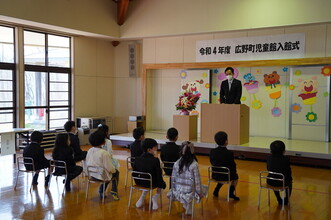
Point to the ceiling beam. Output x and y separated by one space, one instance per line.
122 8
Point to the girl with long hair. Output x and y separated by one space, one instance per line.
184 169
63 151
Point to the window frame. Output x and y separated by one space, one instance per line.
12 67
48 70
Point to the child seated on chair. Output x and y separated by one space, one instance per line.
79 154
222 157
278 163
34 151
184 169
149 163
62 151
136 148
108 145
170 151
96 156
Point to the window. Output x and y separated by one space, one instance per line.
7 78
47 80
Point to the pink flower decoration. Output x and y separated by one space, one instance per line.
276 112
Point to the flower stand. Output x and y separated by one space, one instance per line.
187 126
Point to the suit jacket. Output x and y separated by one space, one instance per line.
135 148
34 151
149 164
169 152
222 157
233 96
79 154
279 164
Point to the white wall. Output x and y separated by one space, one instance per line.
127 90
93 77
182 49
96 17
153 18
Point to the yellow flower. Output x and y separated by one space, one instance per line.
256 104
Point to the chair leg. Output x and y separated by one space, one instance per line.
104 191
259 200
208 189
288 197
170 203
229 186
16 179
283 202
126 178
130 197
150 200
161 200
33 173
87 188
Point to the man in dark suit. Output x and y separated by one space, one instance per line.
149 163
222 157
170 151
231 88
79 154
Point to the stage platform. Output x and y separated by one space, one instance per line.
302 152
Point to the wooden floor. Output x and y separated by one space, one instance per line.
310 198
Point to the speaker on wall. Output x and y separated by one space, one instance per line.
132 60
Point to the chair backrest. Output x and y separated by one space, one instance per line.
95 171
27 162
219 170
269 175
129 162
142 179
59 165
168 165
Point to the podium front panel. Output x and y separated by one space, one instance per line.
231 118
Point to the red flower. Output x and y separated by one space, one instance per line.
187 101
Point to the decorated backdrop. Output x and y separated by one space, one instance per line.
289 102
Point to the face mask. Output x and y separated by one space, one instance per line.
229 77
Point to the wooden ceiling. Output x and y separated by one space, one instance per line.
122 8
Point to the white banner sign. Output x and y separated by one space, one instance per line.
287 46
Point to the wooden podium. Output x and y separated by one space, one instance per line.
187 126
231 118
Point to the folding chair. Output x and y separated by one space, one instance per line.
178 183
264 176
167 165
22 162
129 169
147 177
57 166
97 171
222 171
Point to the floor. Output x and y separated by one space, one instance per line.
310 197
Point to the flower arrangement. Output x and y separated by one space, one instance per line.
187 102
